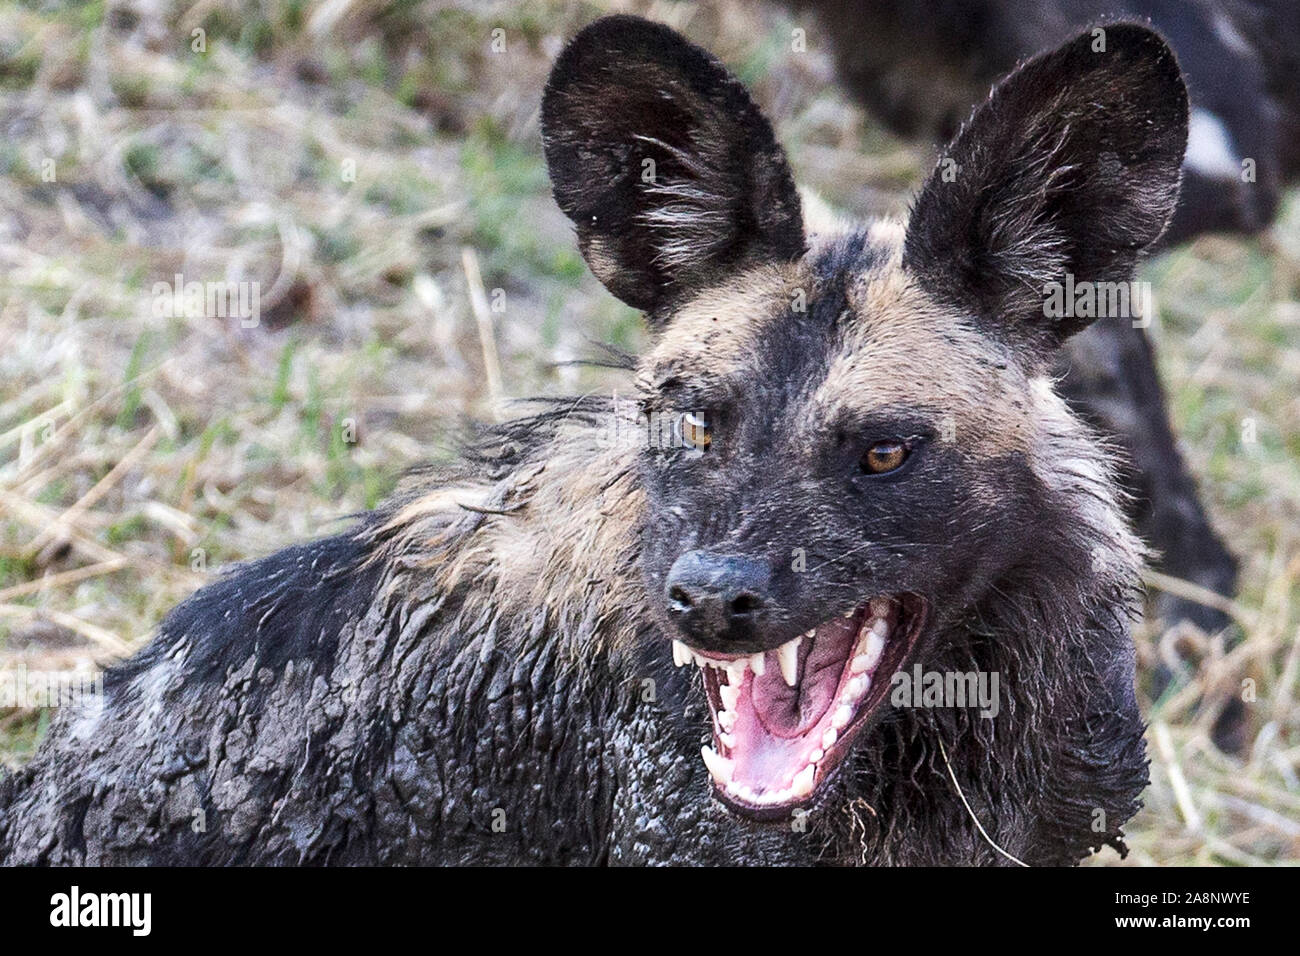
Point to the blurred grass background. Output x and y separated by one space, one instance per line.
376 167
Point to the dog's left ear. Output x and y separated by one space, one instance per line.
1070 167
668 170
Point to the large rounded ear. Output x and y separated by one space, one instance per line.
1065 175
668 170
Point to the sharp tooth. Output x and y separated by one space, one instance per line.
720 768
727 721
859 664
788 657
829 738
802 784
728 741
875 647
858 686
736 672
810 632
729 696
681 653
757 663
842 716
816 755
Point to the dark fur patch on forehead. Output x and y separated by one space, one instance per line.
849 254
778 323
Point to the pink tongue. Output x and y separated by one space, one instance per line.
786 711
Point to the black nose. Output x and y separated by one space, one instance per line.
717 600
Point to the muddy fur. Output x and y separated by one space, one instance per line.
395 735
479 671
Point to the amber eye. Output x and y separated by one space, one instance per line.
885 456
695 432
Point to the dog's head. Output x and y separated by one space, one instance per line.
868 440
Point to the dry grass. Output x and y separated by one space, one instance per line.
140 453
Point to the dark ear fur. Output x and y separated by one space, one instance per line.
1071 166
626 90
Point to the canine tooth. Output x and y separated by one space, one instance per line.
730 695
816 755
829 738
727 721
681 653
842 716
720 768
802 784
787 656
757 663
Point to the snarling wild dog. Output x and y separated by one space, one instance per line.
869 478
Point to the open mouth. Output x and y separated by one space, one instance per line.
784 719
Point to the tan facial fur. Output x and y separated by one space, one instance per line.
897 347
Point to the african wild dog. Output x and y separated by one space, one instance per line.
920 65
873 473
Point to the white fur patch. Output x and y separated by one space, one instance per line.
1209 147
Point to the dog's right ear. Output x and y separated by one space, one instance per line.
668 170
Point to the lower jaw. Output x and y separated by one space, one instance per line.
820 748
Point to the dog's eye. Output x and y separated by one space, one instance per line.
885 456
695 431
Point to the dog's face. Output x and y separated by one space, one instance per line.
861 417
